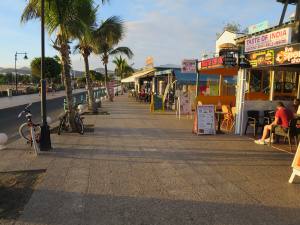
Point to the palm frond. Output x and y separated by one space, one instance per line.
122 50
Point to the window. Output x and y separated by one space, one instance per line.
229 86
285 85
259 81
209 85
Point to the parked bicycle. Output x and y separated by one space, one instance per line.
64 124
30 131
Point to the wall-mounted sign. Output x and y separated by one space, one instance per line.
261 58
229 59
269 40
189 66
288 55
211 63
258 27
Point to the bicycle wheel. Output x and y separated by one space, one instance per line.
79 125
25 132
61 127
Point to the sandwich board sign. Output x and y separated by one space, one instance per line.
206 119
296 166
184 106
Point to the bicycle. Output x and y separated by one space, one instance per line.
30 131
64 124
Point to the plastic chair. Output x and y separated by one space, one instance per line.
291 132
228 118
253 121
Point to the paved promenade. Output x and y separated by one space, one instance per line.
138 168
8 102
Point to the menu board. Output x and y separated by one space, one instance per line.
206 119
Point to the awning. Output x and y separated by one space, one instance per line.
185 78
137 75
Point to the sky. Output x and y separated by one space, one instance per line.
167 30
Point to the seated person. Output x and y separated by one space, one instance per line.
282 118
295 106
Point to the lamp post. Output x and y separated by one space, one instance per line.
45 141
16 74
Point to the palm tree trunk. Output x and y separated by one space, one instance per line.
91 104
68 84
106 83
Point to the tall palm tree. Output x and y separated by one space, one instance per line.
122 70
85 47
107 37
66 19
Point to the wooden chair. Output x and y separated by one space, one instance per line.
228 118
291 132
233 111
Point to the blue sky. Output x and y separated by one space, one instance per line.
168 30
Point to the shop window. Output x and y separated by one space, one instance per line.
285 85
259 81
209 85
229 86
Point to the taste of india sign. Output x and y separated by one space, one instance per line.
269 40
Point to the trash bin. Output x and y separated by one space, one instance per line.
9 92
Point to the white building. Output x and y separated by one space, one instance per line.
227 37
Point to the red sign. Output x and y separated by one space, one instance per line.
212 63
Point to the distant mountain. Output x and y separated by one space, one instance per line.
21 71
102 71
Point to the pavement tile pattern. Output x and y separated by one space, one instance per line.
138 168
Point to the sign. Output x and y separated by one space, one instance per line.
206 119
269 40
262 58
212 63
288 55
296 166
189 66
258 27
229 60
149 62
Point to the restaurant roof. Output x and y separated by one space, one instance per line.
290 1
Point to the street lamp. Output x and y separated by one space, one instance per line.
45 141
16 74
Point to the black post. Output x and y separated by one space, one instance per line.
16 75
197 81
45 141
283 12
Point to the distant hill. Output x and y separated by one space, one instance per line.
21 71
102 71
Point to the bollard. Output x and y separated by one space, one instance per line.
65 105
81 108
3 141
49 120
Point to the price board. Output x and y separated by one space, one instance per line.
206 119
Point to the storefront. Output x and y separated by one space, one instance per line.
217 83
273 73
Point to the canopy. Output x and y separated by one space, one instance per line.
137 75
185 78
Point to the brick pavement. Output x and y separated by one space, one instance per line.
139 168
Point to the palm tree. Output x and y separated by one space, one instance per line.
122 70
66 19
85 47
107 37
